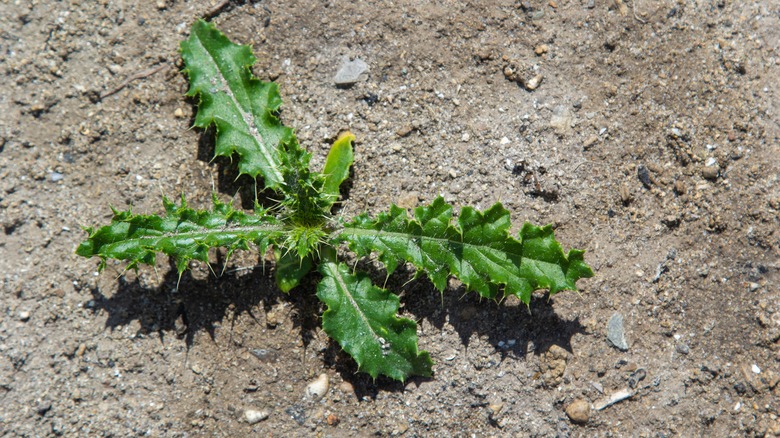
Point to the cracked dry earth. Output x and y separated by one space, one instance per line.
645 132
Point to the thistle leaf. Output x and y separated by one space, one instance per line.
290 269
477 249
362 319
182 233
241 107
337 165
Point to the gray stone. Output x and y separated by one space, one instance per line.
615 333
350 72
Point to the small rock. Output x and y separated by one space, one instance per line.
561 120
179 113
495 408
578 411
161 4
318 388
350 72
534 82
333 420
679 187
710 172
24 316
56 176
553 365
541 49
683 349
346 388
253 417
404 131
408 200
615 333
590 142
453 174
644 176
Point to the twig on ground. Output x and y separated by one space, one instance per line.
135 77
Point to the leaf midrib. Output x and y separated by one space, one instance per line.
245 117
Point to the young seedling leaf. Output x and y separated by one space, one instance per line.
242 108
337 165
362 319
477 249
182 233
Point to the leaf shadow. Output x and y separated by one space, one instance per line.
514 329
186 306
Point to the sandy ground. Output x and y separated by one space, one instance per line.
646 133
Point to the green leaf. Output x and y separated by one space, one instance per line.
477 249
290 269
241 107
183 233
337 165
362 319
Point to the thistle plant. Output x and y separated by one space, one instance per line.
475 247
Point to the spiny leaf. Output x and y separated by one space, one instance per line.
337 165
240 106
290 268
362 319
183 233
477 249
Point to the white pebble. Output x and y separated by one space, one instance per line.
25 315
253 416
756 369
318 388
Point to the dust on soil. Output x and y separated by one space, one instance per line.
651 142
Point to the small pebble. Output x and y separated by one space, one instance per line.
644 176
24 316
683 349
615 334
350 72
56 176
404 130
318 388
755 369
253 417
710 172
534 82
578 411
541 49
178 113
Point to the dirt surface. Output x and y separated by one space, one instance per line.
651 142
